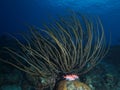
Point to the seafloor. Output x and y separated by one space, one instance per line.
105 76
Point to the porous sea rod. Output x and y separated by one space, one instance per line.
72 46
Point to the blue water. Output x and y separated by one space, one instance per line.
14 14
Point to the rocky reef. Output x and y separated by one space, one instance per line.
105 76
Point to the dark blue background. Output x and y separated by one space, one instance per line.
14 14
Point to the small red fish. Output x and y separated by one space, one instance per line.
71 77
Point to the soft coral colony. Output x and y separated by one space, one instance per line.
66 50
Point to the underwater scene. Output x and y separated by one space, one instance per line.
59 44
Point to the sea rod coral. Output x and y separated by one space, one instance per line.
67 49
